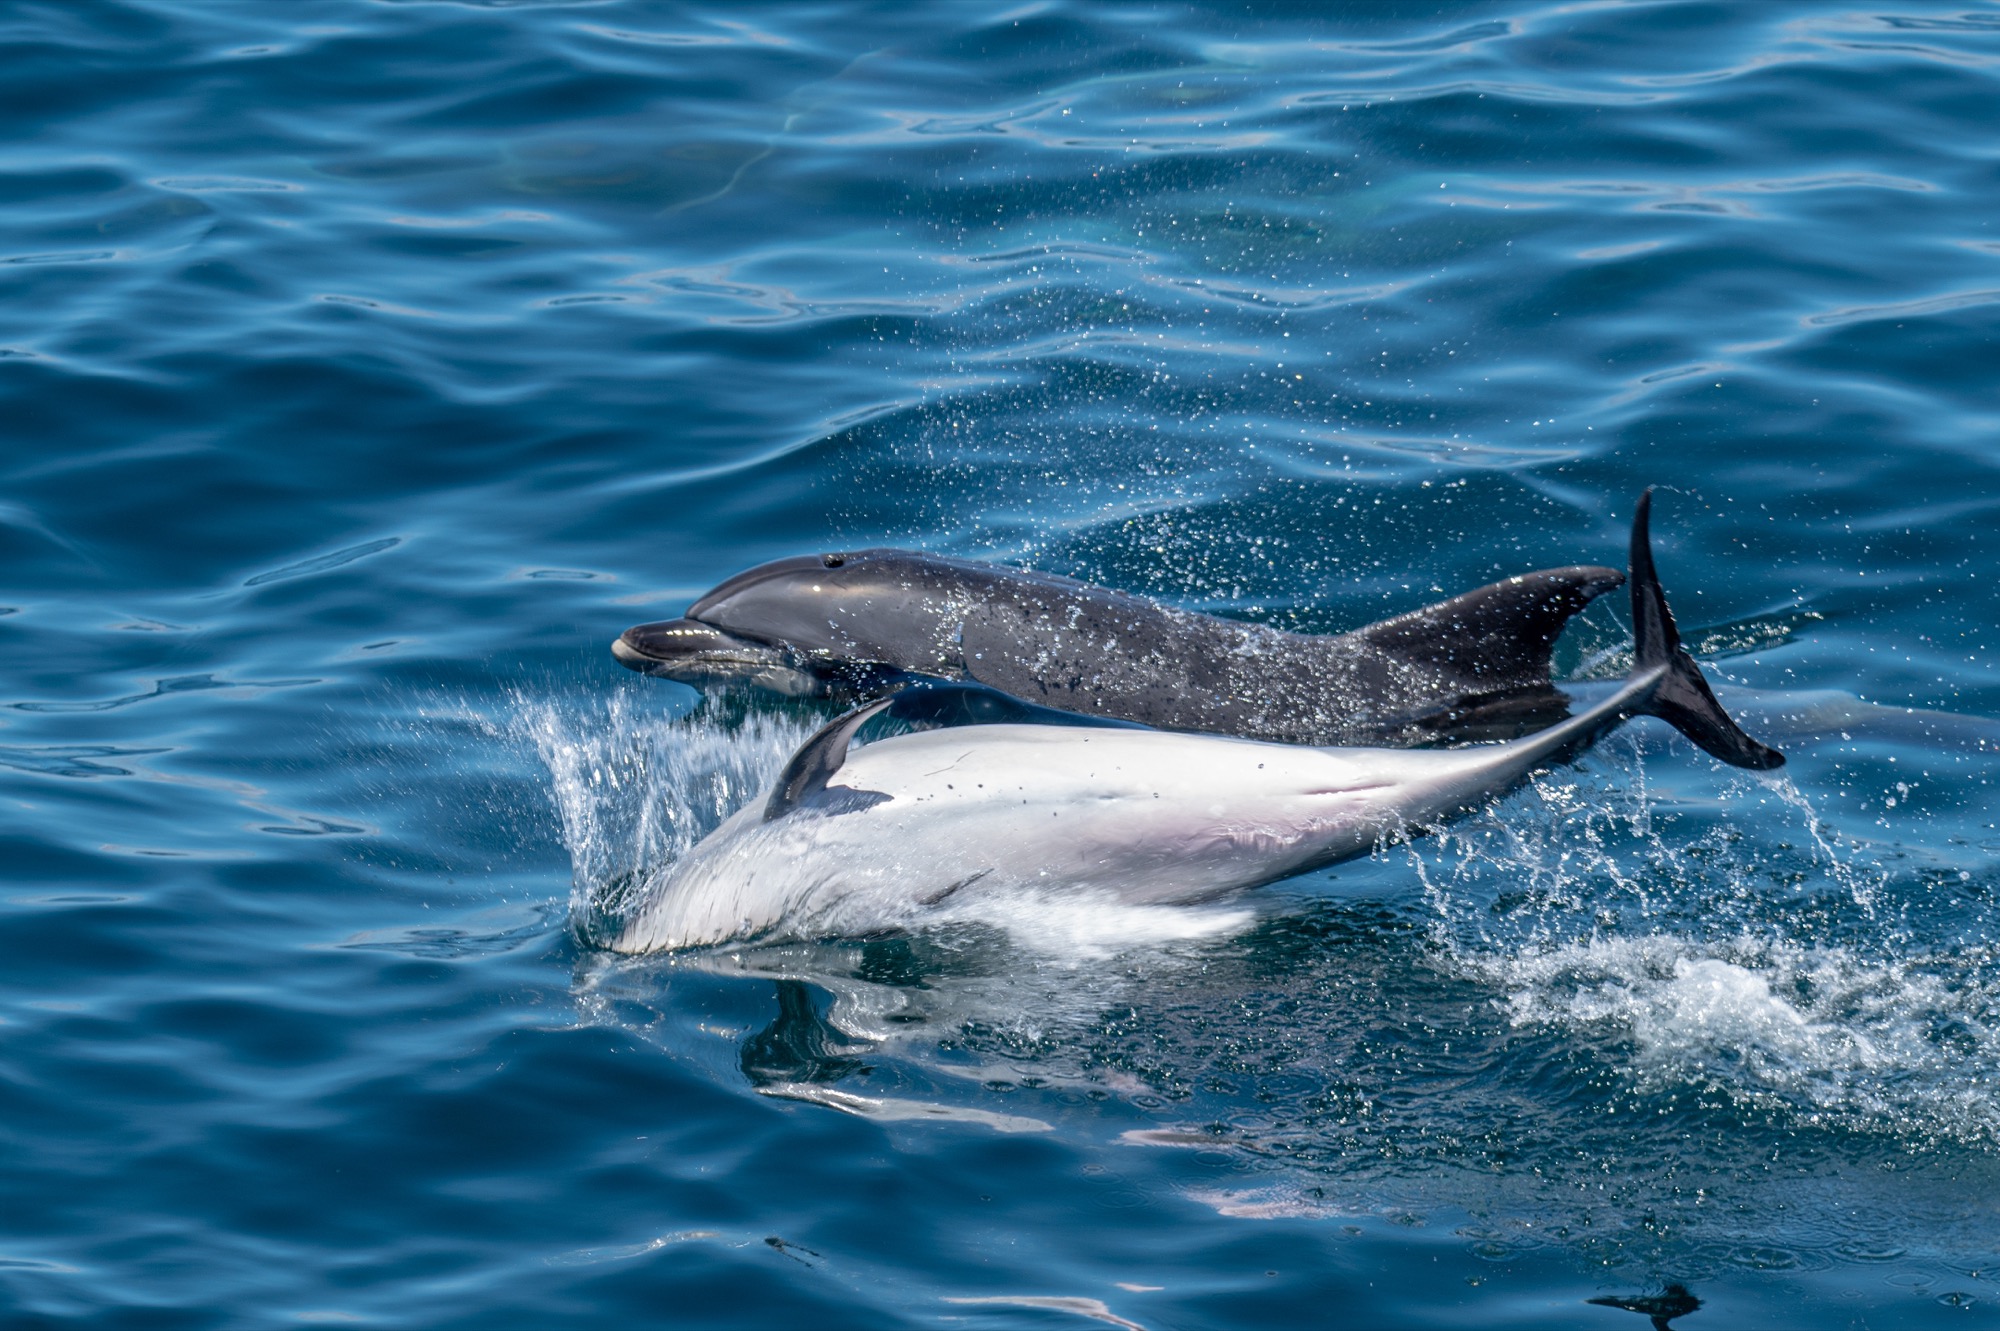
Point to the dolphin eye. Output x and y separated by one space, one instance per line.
833 561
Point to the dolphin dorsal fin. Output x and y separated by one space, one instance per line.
818 759
1498 636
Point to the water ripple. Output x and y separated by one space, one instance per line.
1304 317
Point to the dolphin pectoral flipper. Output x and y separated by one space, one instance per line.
1498 637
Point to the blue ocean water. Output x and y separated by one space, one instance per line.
367 367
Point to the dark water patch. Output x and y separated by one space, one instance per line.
161 689
226 185
83 761
71 256
497 932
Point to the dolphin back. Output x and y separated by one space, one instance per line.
848 625
1475 666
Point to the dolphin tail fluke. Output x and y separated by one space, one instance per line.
1665 682
1683 699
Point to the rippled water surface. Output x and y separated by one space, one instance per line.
368 366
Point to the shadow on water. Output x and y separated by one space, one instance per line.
1671 1302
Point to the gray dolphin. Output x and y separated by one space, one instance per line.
855 625
855 842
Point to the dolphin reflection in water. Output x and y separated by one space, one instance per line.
1671 1302
861 840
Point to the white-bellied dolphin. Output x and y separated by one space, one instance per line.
857 625
868 839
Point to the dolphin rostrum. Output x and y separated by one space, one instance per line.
868 839
860 624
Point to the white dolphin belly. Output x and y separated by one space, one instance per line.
1144 816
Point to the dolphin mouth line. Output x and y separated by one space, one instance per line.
690 644
646 663
689 651
639 658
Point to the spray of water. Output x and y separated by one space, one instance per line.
1752 954
634 791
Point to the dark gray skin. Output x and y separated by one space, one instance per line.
856 625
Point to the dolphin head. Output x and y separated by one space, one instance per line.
813 624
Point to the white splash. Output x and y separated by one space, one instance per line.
1821 1024
634 791
1756 956
1091 926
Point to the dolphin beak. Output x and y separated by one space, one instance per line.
676 645
695 653
625 654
